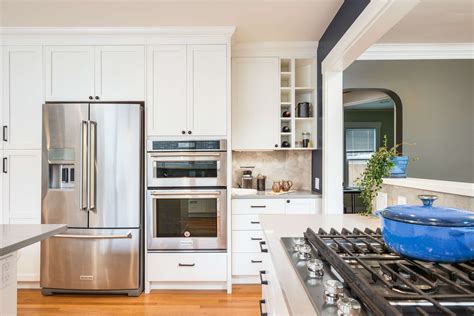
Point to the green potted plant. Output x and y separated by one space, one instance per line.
378 167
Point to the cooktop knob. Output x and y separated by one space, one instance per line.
304 252
298 241
348 307
333 291
315 268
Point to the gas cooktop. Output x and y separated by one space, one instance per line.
355 273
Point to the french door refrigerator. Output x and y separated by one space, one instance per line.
92 180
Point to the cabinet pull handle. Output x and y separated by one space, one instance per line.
256 261
5 165
253 222
258 206
5 133
255 238
183 132
189 132
90 97
97 97
262 281
261 246
262 302
186 264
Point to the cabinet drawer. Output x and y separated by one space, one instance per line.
300 206
247 241
187 266
246 222
258 206
248 263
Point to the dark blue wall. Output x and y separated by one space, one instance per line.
347 14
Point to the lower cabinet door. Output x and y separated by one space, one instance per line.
248 263
91 259
187 267
247 241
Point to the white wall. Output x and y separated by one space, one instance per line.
438 111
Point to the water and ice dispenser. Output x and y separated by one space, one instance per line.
62 169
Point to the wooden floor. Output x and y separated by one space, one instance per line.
242 302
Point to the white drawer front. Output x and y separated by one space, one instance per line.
187 267
258 206
248 263
246 222
300 206
247 241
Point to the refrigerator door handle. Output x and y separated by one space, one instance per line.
83 186
92 168
124 236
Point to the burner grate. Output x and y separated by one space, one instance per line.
390 284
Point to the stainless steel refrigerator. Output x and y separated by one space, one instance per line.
92 180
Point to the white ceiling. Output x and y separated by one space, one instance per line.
256 20
435 21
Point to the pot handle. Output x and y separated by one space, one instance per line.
427 199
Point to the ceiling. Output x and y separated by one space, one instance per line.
256 20
435 21
367 100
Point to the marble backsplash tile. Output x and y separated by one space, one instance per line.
276 165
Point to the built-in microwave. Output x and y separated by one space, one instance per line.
187 219
187 163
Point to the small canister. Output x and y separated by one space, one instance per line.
306 137
261 182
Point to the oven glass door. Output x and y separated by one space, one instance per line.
186 169
187 219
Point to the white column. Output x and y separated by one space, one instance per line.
8 284
333 124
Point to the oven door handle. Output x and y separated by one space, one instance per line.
210 154
155 193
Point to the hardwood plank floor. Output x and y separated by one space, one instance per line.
242 302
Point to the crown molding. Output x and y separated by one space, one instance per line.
404 51
118 31
304 49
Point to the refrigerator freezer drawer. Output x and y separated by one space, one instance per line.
91 259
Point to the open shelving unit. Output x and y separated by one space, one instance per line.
297 85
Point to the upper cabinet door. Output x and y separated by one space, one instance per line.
167 84
120 73
255 93
22 69
69 73
207 90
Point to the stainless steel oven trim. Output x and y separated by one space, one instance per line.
149 145
219 181
191 243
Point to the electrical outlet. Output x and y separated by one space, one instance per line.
316 183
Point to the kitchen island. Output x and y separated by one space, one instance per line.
12 238
287 295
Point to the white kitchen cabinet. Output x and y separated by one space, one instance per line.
104 73
255 97
22 79
120 73
187 90
69 73
21 175
207 90
167 84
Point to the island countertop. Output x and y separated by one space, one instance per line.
277 226
17 236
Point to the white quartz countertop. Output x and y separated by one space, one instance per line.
451 187
17 236
270 195
277 226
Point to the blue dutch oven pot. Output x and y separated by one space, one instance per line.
429 233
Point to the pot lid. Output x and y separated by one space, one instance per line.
427 214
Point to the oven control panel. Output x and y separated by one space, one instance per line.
187 145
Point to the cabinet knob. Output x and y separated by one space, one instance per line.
90 97
276 145
183 132
97 97
189 132
287 201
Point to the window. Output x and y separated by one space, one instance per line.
360 143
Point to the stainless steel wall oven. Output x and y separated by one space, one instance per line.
187 195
